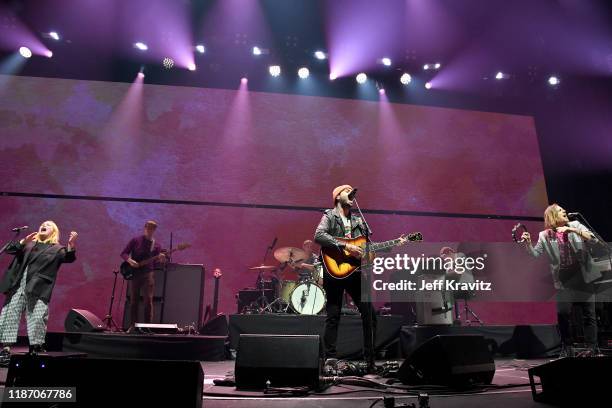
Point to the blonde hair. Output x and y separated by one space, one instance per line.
551 217
54 237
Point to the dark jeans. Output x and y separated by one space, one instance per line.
334 289
145 281
565 305
579 296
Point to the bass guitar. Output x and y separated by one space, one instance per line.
340 264
127 270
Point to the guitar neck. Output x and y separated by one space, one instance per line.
153 258
377 246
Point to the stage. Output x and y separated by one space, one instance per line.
509 372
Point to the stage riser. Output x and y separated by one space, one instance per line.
520 341
350 332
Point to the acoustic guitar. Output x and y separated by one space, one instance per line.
127 270
340 264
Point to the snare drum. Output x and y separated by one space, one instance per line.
286 288
308 299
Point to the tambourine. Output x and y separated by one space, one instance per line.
517 231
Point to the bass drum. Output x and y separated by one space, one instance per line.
308 299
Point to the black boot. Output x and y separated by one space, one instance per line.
36 349
5 357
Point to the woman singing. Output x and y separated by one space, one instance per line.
28 284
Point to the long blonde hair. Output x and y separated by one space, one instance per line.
551 217
54 237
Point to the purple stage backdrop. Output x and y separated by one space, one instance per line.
96 139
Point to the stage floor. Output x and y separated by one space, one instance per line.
508 372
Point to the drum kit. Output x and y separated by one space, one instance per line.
297 283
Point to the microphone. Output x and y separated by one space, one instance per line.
274 243
352 194
17 229
573 215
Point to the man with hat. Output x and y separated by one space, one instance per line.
339 222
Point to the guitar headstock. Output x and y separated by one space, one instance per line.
414 236
217 273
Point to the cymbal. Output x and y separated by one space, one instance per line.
262 268
286 254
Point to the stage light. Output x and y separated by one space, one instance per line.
140 74
437 65
553 81
275 70
320 55
191 66
54 35
141 46
361 78
244 80
386 61
25 52
427 85
499 75
426 67
332 77
303 72
200 48
48 53
405 78
168 62
256 50
381 91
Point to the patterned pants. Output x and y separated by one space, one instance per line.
37 315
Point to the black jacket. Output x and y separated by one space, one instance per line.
331 227
43 264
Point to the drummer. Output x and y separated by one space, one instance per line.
305 268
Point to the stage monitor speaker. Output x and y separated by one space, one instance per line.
580 381
111 382
217 326
277 361
81 320
459 360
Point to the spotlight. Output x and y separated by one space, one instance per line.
426 67
256 50
381 91
191 66
140 74
427 85
405 78
437 65
168 62
332 76
200 48
320 55
48 53
54 35
141 46
386 61
275 70
553 81
361 78
25 52
303 73
244 80
499 75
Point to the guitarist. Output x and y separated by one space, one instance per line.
138 249
340 222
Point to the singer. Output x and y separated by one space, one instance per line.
563 241
28 284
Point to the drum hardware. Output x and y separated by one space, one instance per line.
308 298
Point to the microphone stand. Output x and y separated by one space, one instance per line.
10 242
598 237
365 280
